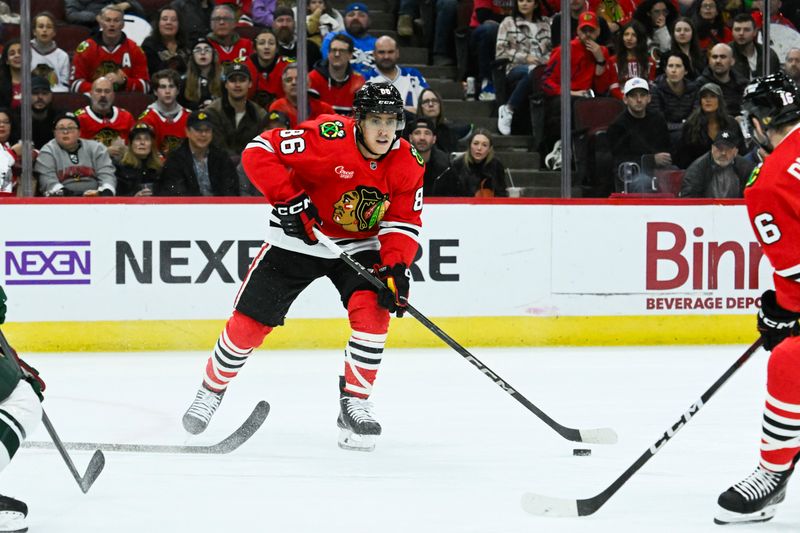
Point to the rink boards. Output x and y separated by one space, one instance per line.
117 275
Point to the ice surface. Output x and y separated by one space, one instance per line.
456 455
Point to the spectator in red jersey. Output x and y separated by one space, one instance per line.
633 59
711 29
166 117
112 55
576 7
11 75
235 119
244 13
165 47
288 104
140 166
334 78
776 16
229 45
197 167
203 79
104 122
266 68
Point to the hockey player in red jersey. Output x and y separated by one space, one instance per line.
359 183
772 195
111 54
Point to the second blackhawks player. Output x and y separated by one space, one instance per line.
361 184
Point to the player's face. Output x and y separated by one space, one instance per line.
112 23
168 23
166 92
102 95
479 147
66 134
5 127
44 30
141 145
222 23
339 54
15 56
675 70
422 139
709 102
682 32
40 100
203 55
743 32
266 47
378 130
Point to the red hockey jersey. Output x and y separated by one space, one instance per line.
92 60
241 49
105 129
170 132
367 203
267 85
315 109
340 96
772 196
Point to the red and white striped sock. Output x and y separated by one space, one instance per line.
237 341
362 358
780 435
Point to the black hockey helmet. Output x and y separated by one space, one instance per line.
379 98
773 100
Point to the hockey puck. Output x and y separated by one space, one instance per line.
581 451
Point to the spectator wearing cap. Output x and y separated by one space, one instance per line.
334 79
288 104
703 125
197 167
638 132
166 116
576 8
71 166
407 80
720 173
112 55
140 166
720 72
266 67
285 30
423 139
42 112
235 119
356 26
230 46
45 51
102 121
748 55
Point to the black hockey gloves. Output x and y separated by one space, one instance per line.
298 217
398 282
774 322
3 308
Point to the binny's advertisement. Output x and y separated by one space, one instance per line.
186 261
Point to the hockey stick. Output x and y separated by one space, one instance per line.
549 506
595 436
227 445
98 460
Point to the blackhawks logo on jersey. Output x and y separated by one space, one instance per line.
753 175
361 209
106 136
417 156
82 47
331 130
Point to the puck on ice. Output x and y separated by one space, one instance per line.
581 451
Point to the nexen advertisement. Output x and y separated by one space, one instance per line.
68 262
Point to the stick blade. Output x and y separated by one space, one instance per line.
599 436
246 430
96 465
539 505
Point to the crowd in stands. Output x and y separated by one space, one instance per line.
678 67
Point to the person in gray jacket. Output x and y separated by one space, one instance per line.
720 172
71 166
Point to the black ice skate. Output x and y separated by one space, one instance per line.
754 499
13 514
197 417
359 429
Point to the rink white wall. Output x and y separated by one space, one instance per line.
129 274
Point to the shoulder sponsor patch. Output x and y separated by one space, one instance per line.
333 129
82 47
417 156
753 175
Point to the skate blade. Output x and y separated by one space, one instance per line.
725 517
359 443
